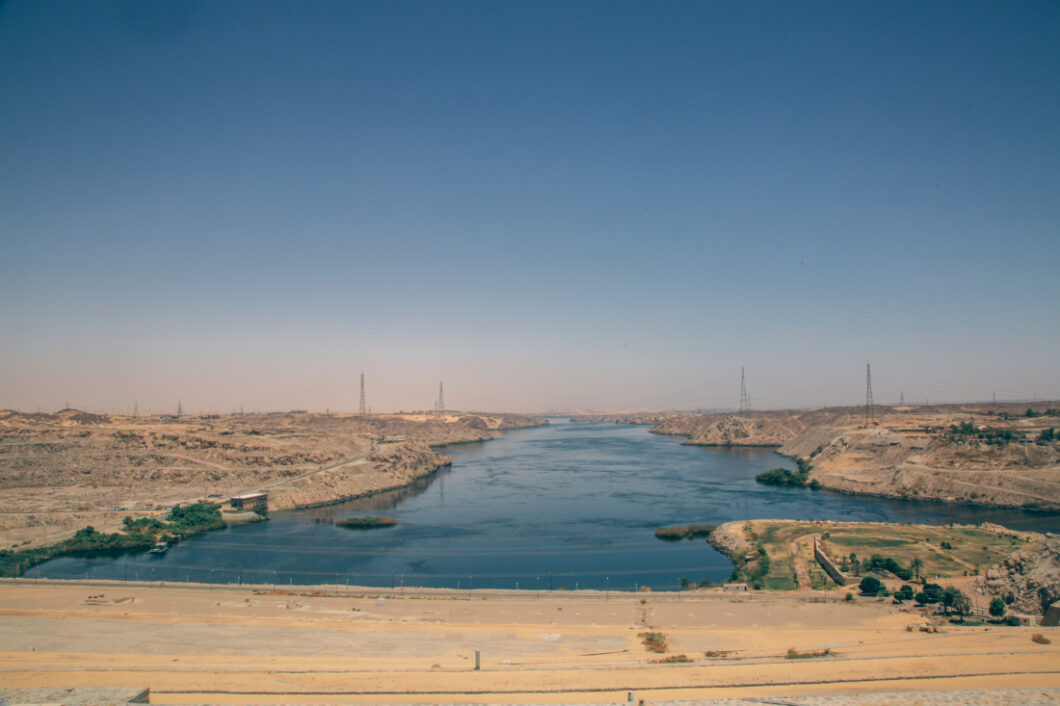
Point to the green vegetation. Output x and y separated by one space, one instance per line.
990 435
1041 639
194 519
869 586
141 533
905 593
676 534
1047 435
784 477
653 641
911 551
367 522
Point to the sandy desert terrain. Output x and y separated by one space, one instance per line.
336 645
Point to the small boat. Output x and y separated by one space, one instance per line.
159 548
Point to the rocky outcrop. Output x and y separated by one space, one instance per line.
731 540
391 467
1029 578
749 429
904 452
916 464
66 470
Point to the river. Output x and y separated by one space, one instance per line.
564 506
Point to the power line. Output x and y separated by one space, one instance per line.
362 407
745 399
868 394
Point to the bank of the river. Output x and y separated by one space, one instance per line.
68 470
569 506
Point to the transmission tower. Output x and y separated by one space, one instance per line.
180 408
441 398
745 399
901 398
361 409
868 394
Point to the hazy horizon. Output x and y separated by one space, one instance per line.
544 205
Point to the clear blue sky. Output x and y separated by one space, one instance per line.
545 204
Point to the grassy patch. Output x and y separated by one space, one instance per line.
653 641
676 534
183 521
367 522
928 551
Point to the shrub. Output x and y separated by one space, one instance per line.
870 585
1040 639
1013 621
997 607
905 593
782 476
653 641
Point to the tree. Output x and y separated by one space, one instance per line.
870 585
962 604
949 598
905 593
997 607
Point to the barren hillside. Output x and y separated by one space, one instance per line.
992 454
60 472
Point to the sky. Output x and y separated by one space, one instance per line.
545 205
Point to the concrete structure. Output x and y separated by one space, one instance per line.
258 502
826 563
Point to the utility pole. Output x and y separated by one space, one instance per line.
745 399
868 394
362 409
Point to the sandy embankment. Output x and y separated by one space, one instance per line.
241 645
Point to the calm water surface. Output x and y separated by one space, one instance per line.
574 505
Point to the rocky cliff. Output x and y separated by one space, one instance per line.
1029 579
905 452
392 466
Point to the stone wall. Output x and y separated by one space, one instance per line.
826 563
